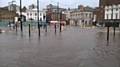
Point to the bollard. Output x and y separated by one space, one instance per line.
39 30
107 33
29 31
114 28
16 27
46 28
55 27
21 26
60 27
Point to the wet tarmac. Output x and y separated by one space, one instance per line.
74 47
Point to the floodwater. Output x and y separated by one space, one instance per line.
74 47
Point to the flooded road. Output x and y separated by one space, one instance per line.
74 47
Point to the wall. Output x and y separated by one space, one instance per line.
112 12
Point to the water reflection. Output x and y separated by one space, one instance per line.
107 56
74 47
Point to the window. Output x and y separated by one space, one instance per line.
107 9
40 14
30 14
107 16
82 20
35 14
90 15
86 14
116 9
116 16
40 19
44 14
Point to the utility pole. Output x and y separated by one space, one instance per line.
21 26
60 21
59 15
12 4
9 3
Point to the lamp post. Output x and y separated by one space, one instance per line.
59 16
9 3
38 17
21 26
60 21
13 8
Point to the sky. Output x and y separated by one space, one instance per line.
62 3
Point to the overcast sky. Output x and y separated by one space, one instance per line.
62 3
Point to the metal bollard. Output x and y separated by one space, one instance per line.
46 28
107 33
16 27
60 27
39 30
55 27
29 31
114 28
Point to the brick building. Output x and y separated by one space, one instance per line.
54 13
7 15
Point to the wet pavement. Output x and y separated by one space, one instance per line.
74 47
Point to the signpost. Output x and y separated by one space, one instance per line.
111 23
116 24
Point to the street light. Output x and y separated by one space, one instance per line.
38 17
21 26
59 16
11 7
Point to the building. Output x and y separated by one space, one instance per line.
112 9
5 14
109 9
9 12
31 14
13 7
97 14
67 13
81 16
32 6
55 13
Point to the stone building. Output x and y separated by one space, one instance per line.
32 14
112 11
109 9
81 16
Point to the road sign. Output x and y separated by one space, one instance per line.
115 24
108 24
